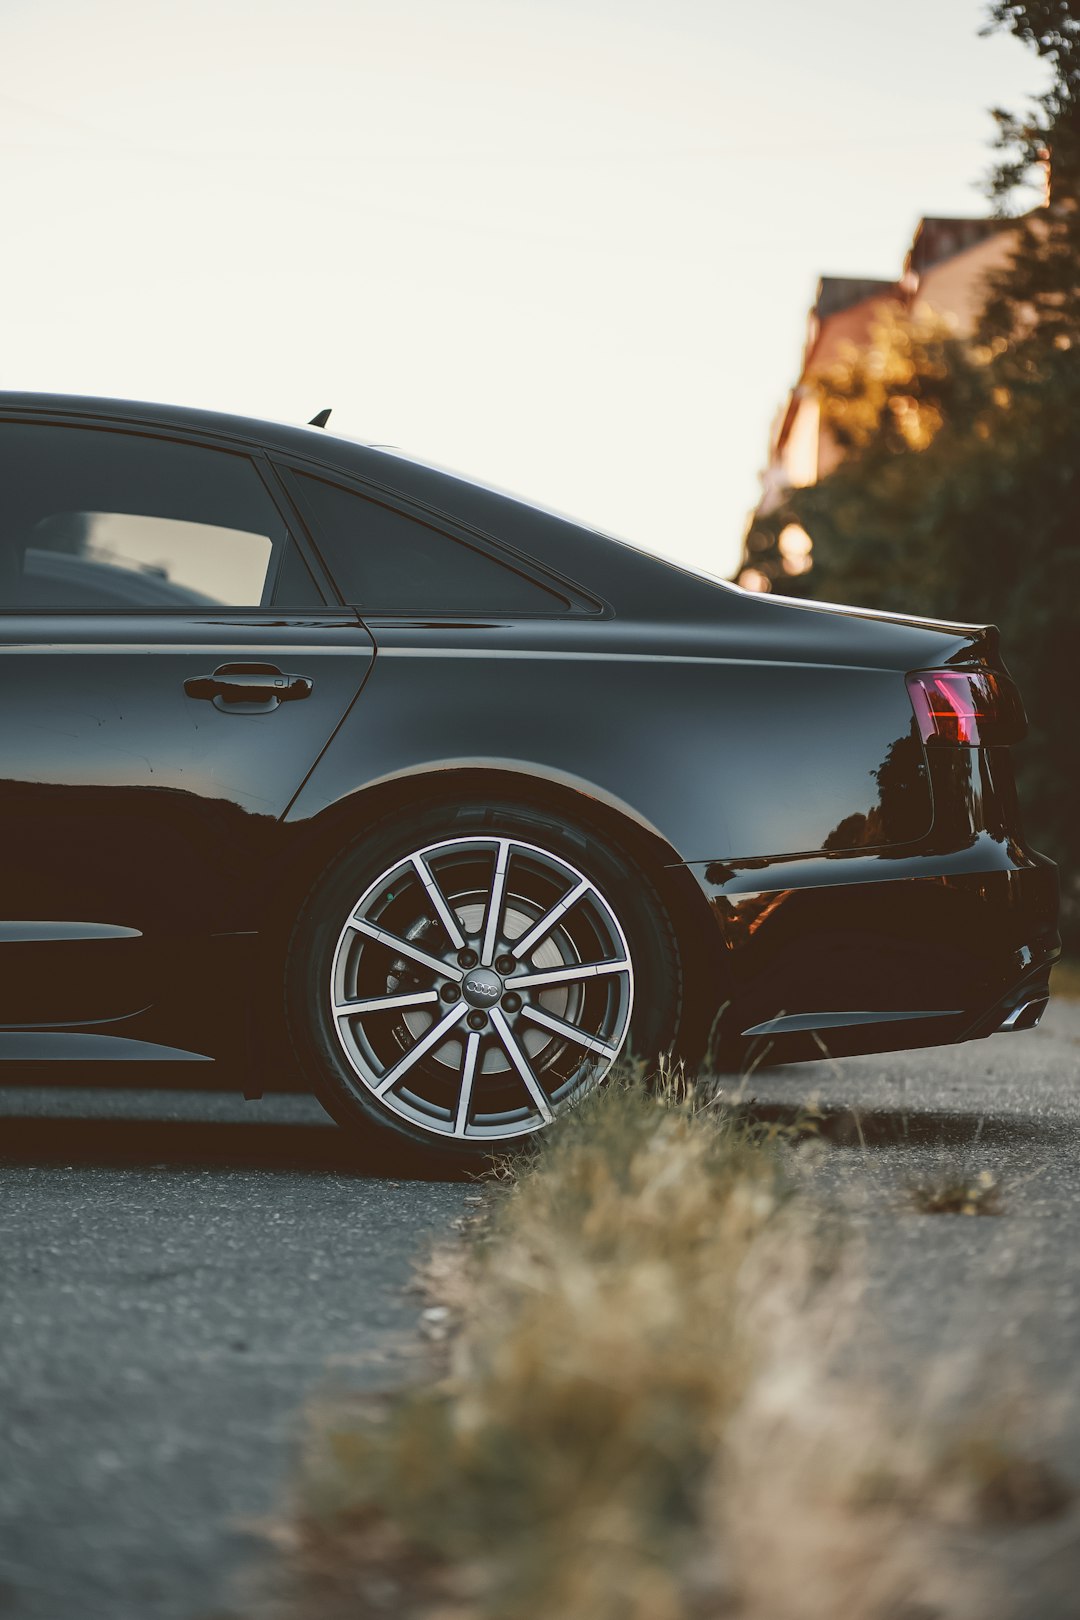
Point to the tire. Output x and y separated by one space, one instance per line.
394 944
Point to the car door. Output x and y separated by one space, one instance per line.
170 670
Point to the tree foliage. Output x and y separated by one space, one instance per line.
960 493
1037 298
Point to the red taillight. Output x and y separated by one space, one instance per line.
966 708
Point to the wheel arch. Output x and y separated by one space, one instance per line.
314 843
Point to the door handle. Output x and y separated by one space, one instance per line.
255 687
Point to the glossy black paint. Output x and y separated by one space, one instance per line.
757 756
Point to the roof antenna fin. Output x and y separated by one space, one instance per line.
322 418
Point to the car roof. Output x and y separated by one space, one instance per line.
301 437
383 463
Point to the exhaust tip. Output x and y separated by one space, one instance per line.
1024 1016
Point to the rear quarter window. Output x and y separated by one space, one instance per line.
386 562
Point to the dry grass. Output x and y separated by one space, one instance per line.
640 1416
956 1190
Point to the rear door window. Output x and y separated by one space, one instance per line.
99 520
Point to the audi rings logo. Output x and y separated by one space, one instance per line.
482 988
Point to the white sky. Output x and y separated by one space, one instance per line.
566 245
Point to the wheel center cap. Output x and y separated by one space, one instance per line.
482 987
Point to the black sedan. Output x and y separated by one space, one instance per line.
318 760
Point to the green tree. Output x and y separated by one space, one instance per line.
960 492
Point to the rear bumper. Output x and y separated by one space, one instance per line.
868 954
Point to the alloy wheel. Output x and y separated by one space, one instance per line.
479 986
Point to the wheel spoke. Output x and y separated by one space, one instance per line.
495 903
521 1064
372 1004
564 975
434 1035
569 1032
468 1075
405 947
435 895
528 942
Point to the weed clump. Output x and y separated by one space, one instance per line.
956 1191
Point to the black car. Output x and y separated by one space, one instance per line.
318 759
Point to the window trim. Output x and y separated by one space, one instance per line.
257 458
576 602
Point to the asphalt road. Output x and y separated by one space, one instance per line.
179 1274
971 1326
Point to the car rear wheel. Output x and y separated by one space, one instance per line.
464 975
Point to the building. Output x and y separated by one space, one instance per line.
944 274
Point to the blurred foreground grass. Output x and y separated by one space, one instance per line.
640 1415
